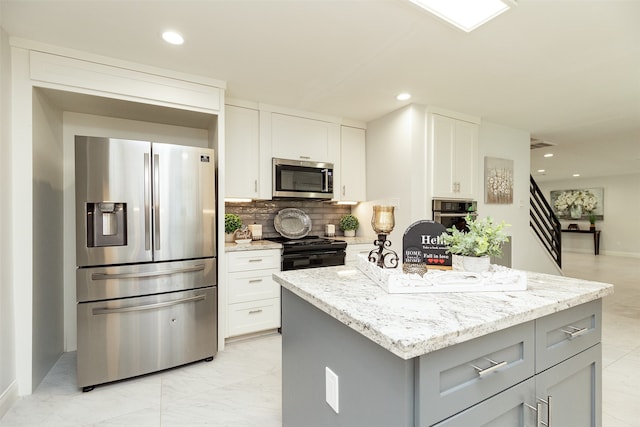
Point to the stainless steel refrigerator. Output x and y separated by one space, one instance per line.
146 257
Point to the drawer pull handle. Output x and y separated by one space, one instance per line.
538 411
255 281
495 366
255 260
255 311
575 332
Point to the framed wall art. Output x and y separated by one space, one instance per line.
578 203
498 180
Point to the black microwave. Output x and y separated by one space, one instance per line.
302 179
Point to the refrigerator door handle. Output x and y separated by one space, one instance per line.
147 203
107 276
156 201
98 311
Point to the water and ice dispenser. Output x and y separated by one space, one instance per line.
106 224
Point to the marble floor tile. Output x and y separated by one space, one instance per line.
241 387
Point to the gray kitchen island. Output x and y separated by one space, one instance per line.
354 355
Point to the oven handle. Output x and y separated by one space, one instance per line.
107 276
448 215
312 255
98 311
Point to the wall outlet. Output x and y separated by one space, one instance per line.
331 389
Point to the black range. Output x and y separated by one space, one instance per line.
310 252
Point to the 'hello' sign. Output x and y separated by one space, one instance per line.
421 243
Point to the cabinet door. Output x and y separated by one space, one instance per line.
572 390
465 158
507 409
352 165
297 138
442 136
242 145
454 157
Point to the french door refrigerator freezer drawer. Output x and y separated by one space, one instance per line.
119 339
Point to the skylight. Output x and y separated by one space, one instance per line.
465 14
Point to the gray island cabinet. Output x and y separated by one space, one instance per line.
354 355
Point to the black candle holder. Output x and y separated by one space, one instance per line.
383 256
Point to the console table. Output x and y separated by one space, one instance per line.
596 238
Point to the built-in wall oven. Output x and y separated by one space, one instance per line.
452 213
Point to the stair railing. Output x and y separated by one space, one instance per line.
545 223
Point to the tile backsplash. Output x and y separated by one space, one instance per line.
264 211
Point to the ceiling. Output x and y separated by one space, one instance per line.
566 71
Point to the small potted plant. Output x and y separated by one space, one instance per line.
232 222
592 221
349 224
472 247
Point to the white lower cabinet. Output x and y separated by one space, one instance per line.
497 370
253 300
355 249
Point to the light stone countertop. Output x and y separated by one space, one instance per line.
254 245
411 325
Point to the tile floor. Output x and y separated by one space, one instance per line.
242 386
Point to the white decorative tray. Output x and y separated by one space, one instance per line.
394 281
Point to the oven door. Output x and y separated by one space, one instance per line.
312 260
457 220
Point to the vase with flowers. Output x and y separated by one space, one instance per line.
472 247
576 203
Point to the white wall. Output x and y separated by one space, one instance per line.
507 143
91 125
48 326
8 388
620 232
395 170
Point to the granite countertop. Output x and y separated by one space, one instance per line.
254 245
411 325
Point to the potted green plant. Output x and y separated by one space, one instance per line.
232 222
472 247
592 221
349 224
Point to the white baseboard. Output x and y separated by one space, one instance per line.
8 398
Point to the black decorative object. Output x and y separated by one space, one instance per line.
421 245
383 222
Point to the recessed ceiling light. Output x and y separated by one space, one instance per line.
575 175
172 37
465 14
541 170
403 96
549 155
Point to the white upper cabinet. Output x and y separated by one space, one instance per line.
352 186
242 155
454 149
299 138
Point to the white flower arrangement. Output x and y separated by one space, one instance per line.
584 199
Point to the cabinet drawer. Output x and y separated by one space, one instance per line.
247 286
253 260
508 408
561 335
255 316
455 378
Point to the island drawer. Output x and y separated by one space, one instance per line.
254 316
247 286
457 377
561 335
253 260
